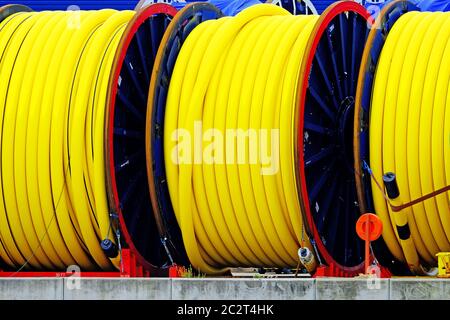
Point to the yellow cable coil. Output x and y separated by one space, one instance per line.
410 133
54 73
237 73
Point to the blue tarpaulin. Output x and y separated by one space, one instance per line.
434 5
229 8
232 7
40 5
424 5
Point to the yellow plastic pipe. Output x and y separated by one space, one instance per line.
55 70
409 134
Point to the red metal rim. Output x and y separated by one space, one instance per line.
131 30
316 35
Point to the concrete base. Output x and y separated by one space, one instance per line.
222 288
117 289
243 289
411 289
31 289
352 289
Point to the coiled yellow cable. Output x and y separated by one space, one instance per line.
55 69
237 73
410 130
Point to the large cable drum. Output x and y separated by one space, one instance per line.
319 145
401 132
185 21
58 207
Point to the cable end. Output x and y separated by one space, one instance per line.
390 182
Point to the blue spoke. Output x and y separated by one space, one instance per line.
316 128
130 106
353 55
323 72
324 153
321 103
333 228
128 160
134 222
137 84
324 209
128 133
346 221
359 249
356 215
131 187
153 26
320 182
167 21
334 64
343 32
142 56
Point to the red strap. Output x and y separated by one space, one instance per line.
419 200
412 203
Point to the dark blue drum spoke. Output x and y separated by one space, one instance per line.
321 180
347 197
343 29
332 54
324 209
323 106
323 72
131 107
334 227
317 128
358 242
128 133
129 160
132 186
142 55
353 64
166 21
137 84
135 217
154 28
322 154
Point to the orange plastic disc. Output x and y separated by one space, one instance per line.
375 227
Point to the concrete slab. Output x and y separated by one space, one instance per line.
243 289
419 289
352 289
31 289
117 289
223 288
